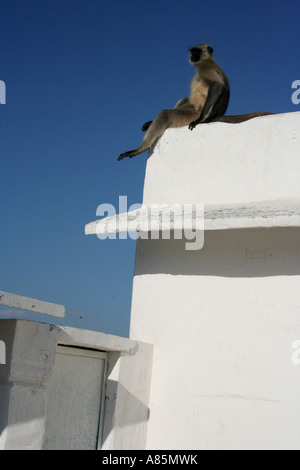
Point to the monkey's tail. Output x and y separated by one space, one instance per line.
240 117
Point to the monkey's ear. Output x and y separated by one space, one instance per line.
210 49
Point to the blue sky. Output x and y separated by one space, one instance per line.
81 77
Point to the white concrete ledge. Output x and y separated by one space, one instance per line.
147 219
150 218
94 339
246 175
33 305
265 215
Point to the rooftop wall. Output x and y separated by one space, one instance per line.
220 163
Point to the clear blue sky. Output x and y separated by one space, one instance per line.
82 76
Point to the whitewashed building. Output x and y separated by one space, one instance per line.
209 362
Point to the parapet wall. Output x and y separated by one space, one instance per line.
220 163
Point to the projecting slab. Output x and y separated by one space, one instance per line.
33 305
173 217
266 215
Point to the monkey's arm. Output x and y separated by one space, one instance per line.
215 105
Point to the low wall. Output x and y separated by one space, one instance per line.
51 395
219 163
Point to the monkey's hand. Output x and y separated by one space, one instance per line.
146 126
194 124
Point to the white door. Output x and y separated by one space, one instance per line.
75 397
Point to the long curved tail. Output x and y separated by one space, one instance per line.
240 117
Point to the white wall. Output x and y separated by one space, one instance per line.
26 388
219 163
223 319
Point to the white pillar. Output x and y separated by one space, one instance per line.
223 319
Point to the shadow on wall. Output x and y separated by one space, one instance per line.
228 253
8 334
130 411
123 409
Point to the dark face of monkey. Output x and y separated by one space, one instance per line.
200 52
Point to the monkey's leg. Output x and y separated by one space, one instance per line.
166 118
155 130
182 103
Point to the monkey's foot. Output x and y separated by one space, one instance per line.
126 154
123 155
146 126
193 125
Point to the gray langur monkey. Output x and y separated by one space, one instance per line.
208 101
209 96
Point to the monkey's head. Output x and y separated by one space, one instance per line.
199 53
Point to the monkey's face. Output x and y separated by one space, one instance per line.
199 53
